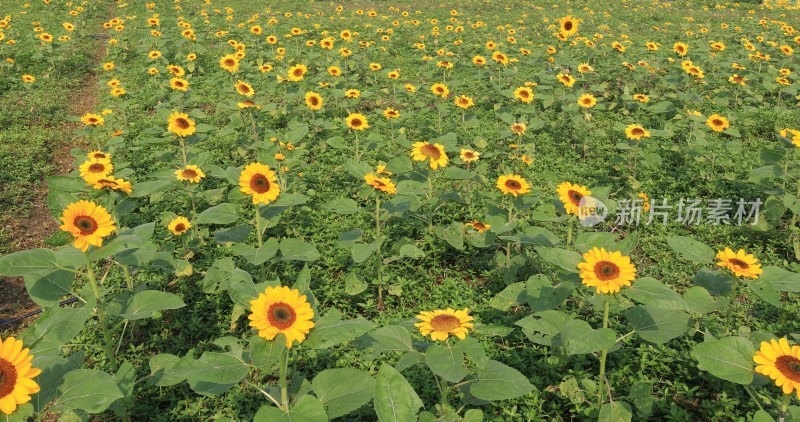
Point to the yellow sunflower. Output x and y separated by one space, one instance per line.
258 181
98 155
352 93
570 195
442 323
741 263
313 101
297 72
179 225
88 222
478 226
636 132
468 155
181 125
383 184
190 173
280 310
244 88
680 48
91 119
717 123
513 184
16 375
524 94
28 79
587 101
568 25
421 151
780 361
519 128
112 182
357 121
179 84
229 62
606 271
95 168
440 90
391 113
566 79
463 101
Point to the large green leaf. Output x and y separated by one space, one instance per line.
389 338
54 328
650 291
47 288
563 258
29 261
781 280
330 330
657 325
496 381
342 206
616 411
691 249
143 304
89 390
343 390
298 250
306 409
446 362
730 358
578 337
395 399
224 213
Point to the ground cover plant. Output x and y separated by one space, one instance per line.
375 211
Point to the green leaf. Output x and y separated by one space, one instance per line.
579 338
513 295
357 169
762 416
143 304
343 390
562 258
657 325
233 234
362 251
30 261
457 173
342 206
290 199
699 301
306 409
452 234
161 370
47 288
388 338
446 362
257 256
691 249
780 279
650 291
586 241
224 213
541 295
298 250
496 381
616 411
264 353
330 330
717 283
726 358
353 284
764 290
142 189
395 399
54 328
89 390
219 368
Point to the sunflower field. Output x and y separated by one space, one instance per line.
372 211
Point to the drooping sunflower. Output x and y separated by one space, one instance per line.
434 153
244 88
717 123
780 361
260 182
442 323
468 155
297 72
229 62
587 101
357 121
280 310
478 226
181 125
383 184
524 94
16 375
95 168
462 101
179 225
98 155
741 263
391 113
513 184
112 182
566 79
88 222
570 195
190 173
568 25
179 84
636 132
606 271
519 128
313 101
91 119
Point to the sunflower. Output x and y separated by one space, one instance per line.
606 271
179 225
500 58
112 182
91 119
636 132
352 93
260 182
334 71
16 375
181 125
519 128
244 88
179 84
297 72
98 155
468 155
313 101
440 90
357 121
568 25
280 310
570 195
391 113
94 169
28 79
229 62
442 323
176 70
190 173
587 101
479 60
742 264
513 184
463 101
410 88
88 222
154 54
717 123
421 151
478 226
780 361
680 49
566 79
382 184
524 94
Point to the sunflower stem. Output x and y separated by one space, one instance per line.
358 153
258 226
729 312
444 390
569 232
603 359
183 150
508 244
787 398
108 345
284 369
755 399
379 254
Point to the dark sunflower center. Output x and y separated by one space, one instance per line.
189 173
445 323
180 227
8 377
568 25
298 72
587 100
86 224
229 62
513 184
738 78
606 270
516 128
244 89
379 184
469 155
439 89
182 123
716 122
430 151
281 315
478 226
93 120
789 366
97 168
739 263
356 122
575 197
259 183
314 100
637 131
179 84
249 103
524 94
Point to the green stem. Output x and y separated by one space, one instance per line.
284 364
787 398
258 227
108 345
508 244
183 151
379 254
444 391
755 399
603 360
569 232
729 313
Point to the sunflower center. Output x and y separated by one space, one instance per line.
789 366
524 94
297 72
229 62
513 184
469 155
314 101
567 25
356 122
281 315
8 377
637 131
97 168
244 89
478 226
259 183
575 196
517 128
180 227
93 120
606 270
445 323
430 151
739 263
86 224
716 122
379 184
189 173
182 123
